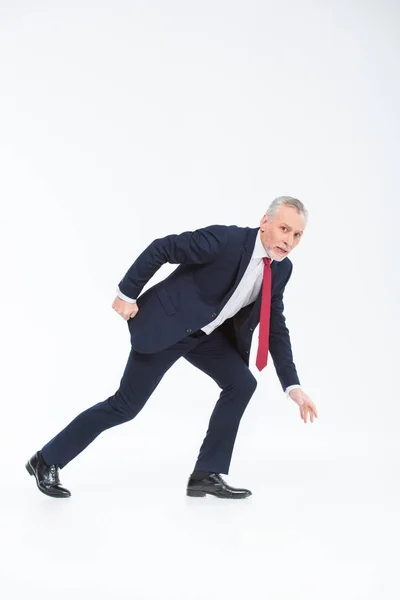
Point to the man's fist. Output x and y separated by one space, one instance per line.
307 406
127 310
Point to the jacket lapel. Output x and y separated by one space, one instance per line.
247 251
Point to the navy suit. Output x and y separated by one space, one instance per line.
212 261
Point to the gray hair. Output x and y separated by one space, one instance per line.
288 201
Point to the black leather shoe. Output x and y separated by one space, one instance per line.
47 477
214 485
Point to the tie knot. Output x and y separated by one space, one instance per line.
266 260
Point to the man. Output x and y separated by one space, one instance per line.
228 280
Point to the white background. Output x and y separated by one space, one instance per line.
124 121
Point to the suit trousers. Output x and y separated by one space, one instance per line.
213 355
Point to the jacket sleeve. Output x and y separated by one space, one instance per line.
188 248
279 340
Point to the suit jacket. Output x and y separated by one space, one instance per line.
212 261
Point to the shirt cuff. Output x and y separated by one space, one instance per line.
123 297
291 387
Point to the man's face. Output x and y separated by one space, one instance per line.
283 231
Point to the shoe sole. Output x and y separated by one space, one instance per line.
31 471
194 494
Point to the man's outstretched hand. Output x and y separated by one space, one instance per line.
306 405
127 310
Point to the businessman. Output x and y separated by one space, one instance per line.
229 280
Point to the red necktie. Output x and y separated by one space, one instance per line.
263 336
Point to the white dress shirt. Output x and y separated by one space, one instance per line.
245 293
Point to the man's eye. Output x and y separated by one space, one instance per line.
283 228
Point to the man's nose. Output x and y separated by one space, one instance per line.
289 241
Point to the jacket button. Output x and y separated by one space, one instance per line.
188 330
214 315
247 351
251 329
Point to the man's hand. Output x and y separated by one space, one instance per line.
127 310
307 406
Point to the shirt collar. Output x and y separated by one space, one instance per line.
259 250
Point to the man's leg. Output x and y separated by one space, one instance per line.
216 357
143 372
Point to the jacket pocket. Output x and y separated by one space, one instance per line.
165 300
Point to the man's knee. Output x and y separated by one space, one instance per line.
125 404
246 382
